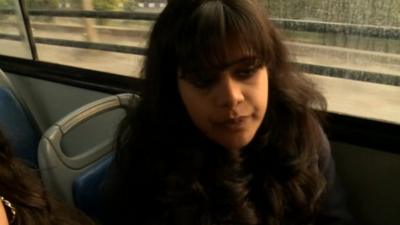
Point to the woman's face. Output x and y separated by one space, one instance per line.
227 106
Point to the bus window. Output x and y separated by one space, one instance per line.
13 34
352 46
94 34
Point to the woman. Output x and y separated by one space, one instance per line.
227 132
23 200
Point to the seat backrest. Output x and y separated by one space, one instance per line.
17 123
372 180
87 188
77 179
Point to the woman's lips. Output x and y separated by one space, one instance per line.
233 124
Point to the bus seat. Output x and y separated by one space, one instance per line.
370 177
17 123
87 187
76 178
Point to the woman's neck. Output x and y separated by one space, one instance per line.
3 215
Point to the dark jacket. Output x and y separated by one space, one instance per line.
333 207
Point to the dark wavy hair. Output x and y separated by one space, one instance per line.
172 174
21 185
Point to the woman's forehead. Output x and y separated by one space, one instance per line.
243 59
224 54
229 64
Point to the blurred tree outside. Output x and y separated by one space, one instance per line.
130 5
99 5
42 4
6 4
107 5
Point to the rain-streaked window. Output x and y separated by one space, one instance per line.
353 46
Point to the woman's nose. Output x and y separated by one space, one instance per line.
228 92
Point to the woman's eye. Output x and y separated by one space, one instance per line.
246 72
202 80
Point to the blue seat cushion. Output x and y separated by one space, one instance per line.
17 128
87 187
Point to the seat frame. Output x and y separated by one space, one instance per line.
60 170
